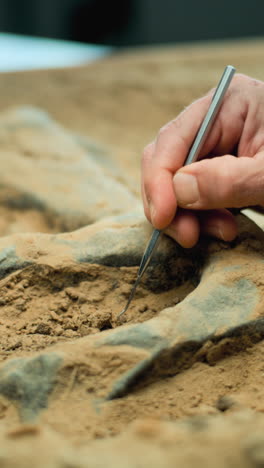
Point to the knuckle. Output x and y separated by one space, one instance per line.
147 154
241 83
170 127
147 151
170 135
245 80
241 78
163 131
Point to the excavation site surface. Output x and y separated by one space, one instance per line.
179 380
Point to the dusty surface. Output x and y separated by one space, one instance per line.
180 382
40 307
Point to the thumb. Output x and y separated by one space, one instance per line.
221 182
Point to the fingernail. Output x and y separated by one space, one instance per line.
215 231
186 189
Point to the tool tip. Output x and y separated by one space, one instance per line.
122 312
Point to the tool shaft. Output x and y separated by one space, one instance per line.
211 115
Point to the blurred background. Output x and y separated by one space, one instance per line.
59 33
123 23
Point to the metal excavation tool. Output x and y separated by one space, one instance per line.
192 157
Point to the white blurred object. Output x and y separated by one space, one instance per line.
25 53
255 216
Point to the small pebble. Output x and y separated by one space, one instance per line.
225 402
24 430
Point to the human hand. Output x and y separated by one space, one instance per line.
185 201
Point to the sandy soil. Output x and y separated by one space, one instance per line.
121 102
40 309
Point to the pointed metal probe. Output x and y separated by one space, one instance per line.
152 244
192 157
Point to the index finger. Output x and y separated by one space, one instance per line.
169 152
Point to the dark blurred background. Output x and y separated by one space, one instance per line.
133 22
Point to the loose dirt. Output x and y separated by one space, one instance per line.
42 306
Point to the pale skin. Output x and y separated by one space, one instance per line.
187 201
